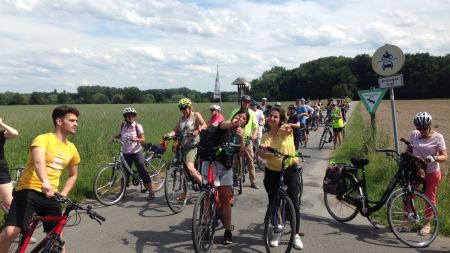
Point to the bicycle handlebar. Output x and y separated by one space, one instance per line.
72 205
278 153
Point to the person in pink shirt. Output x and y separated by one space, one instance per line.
430 146
132 135
216 117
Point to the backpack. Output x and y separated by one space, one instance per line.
333 182
209 145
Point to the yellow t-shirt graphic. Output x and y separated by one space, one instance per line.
58 155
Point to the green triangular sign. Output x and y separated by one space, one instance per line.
371 98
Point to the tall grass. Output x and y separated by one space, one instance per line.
361 141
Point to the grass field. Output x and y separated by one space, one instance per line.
97 124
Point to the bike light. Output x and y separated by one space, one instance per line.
210 174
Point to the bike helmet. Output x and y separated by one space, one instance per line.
129 110
184 102
263 99
278 104
422 120
292 107
214 108
246 98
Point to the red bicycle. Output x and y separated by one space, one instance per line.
52 242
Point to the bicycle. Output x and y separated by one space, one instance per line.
327 135
52 242
178 176
280 214
405 205
207 211
111 181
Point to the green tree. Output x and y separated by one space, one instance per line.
100 98
37 98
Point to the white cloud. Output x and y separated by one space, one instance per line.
159 44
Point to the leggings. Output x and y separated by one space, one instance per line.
139 162
291 180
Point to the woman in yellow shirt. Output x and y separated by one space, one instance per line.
280 137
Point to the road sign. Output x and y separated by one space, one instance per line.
388 60
391 81
371 98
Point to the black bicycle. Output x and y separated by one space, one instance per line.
327 135
406 206
280 219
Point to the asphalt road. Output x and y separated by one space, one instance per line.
136 225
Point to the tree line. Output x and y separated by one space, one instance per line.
425 76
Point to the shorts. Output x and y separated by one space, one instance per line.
305 126
26 203
222 176
190 155
337 130
4 173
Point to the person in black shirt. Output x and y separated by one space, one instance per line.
6 187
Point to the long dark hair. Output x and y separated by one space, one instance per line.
245 111
282 113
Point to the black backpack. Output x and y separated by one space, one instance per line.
209 146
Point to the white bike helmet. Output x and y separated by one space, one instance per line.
129 110
215 108
422 120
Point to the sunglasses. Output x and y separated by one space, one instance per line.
422 128
183 108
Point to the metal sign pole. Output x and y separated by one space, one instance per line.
394 119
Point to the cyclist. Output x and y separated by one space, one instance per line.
189 127
216 117
337 123
280 138
294 123
430 146
261 121
251 132
263 104
226 131
303 112
132 135
6 186
48 155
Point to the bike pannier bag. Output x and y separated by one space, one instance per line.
333 183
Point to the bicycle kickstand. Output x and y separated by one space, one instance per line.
373 222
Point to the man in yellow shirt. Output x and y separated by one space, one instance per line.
48 155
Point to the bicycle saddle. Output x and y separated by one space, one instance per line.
359 161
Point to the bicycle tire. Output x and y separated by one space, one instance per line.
300 180
344 207
323 138
155 166
175 189
203 225
398 204
109 185
260 163
284 215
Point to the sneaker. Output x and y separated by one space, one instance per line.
298 242
227 237
254 186
33 240
276 237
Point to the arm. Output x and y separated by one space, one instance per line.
240 133
10 133
70 182
38 156
200 121
441 157
175 130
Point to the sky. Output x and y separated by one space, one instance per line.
63 44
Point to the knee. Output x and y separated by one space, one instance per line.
9 233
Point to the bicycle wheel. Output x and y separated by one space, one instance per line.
325 136
260 163
203 227
155 166
52 246
344 207
406 213
175 189
300 192
109 184
279 225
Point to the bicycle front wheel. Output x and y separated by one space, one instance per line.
175 189
345 206
109 185
408 214
203 227
155 166
280 226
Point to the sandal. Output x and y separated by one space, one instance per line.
151 196
403 227
425 230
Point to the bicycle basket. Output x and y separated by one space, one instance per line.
333 183
410 166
